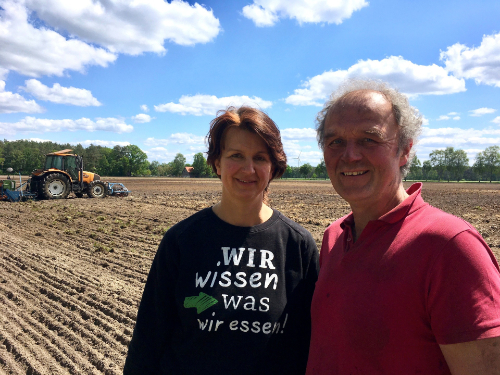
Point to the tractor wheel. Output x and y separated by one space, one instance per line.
79 194
55 186
97 189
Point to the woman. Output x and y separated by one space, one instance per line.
230 287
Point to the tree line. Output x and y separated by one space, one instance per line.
24 156
452 164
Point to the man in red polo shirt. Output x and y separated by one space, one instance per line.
404 288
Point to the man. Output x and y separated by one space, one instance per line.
404 288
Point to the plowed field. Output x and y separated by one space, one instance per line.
72 271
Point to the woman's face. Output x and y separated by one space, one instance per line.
244 166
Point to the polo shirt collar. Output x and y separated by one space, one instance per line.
408 206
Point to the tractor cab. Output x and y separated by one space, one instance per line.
71 164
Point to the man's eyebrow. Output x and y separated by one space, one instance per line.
376 132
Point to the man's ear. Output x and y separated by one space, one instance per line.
405 154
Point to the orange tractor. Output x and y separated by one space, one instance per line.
63 173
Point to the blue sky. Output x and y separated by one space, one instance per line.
154 73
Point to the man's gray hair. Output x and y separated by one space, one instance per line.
407 117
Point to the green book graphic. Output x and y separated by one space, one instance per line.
201 302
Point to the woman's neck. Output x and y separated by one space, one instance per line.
242 215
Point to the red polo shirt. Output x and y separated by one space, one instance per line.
417 277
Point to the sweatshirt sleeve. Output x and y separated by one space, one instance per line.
157 315
311 272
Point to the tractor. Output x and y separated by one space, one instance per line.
62 174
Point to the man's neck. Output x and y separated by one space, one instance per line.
363 213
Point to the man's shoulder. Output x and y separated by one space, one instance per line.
436 220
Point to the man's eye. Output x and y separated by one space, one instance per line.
335 142
236 156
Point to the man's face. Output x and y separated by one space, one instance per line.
361 149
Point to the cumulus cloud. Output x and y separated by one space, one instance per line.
459 138
59 94
481 63
160 154
37 125
131 27
305 134
12 103
40 51
496 120
209 104
176 138
449 116
109 144
145 108
268 12
141 118
409 78
481 111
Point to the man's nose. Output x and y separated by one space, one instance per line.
351 152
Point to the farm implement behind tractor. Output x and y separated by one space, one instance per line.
62 174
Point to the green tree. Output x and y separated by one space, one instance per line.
306 170
288 172
201 168
426 169
153 167
320 169
479 165
138 160
178 164
457 163
438 162
415 172
491 156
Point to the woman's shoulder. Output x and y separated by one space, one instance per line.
294 226
193 221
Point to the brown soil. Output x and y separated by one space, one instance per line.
72 271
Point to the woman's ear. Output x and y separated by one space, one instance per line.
217 166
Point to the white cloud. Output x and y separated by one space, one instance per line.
59 94
109 144
160 154
145 108
425 121
496 120
13 103
408 77
209 104
481 63
131 27
141 118
305 134
459 138
176 138
481 111
36 125
39 140
268 12
449 116
40 51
